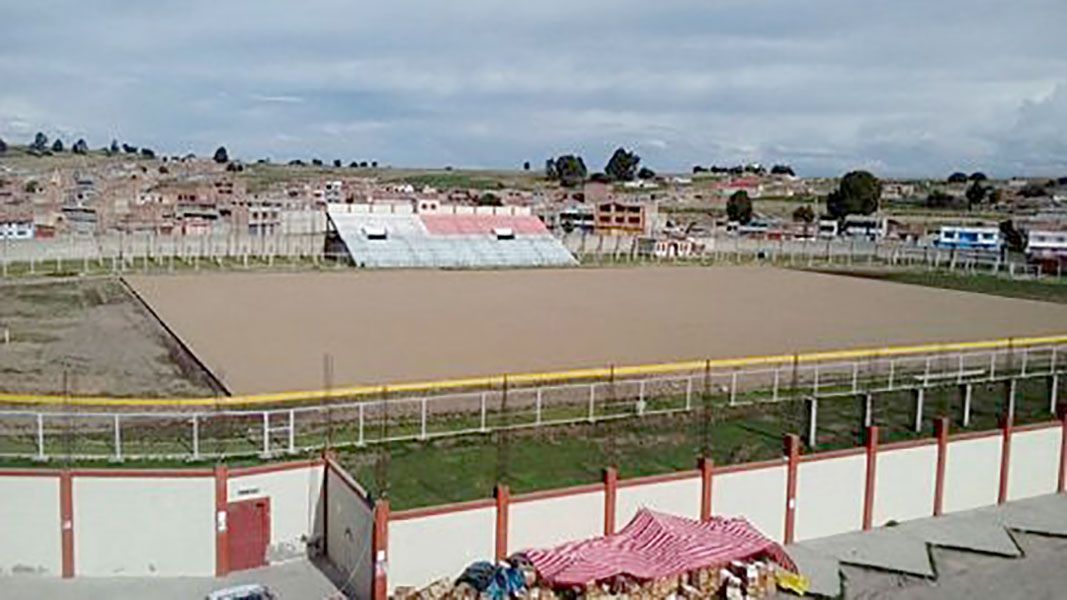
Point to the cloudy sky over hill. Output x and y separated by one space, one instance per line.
908 87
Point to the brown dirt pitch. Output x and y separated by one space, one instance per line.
270 332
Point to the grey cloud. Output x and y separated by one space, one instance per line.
910 87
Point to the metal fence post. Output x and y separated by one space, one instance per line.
813 419
733 387
292 431
592 402
959 377
537 407
118 438
422 432
196 437
855 377
967 392
892 372
1026 354
815 383
266 433
361 441
992 365
774 389
40 437
484 400
920 396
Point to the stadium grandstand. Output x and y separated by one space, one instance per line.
432 235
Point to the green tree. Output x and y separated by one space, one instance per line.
40 142
739 207
623 165
57 146
526 166
783 170
804 214
571 170
80 147
978 176
1013 238
114 149
957 177
221 155
551 173
939 199
31 187
857 193
646 173
976 193
3 146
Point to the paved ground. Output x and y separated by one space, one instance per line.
270 332
1014 551
298 580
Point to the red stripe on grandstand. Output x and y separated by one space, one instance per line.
482 224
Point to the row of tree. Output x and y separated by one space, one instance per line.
858 192
570 170
750 169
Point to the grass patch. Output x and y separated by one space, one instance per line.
1045 289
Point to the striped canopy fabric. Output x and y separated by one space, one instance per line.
656 545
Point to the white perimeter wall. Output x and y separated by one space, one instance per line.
830 496
29 526
972 473
551 521
350 533
1035 462
681 497
295 506
144 526
904 484
757 494
428 548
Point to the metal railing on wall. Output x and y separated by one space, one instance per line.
67 431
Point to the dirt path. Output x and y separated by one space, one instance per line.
269 332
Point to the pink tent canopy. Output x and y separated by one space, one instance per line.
655 545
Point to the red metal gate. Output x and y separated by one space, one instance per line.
249 533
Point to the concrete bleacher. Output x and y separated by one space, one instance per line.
447 238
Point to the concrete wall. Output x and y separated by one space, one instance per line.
830 496
1035 462
679 497
904 484
29 526
428 548
295 507
756 494
350 525
551 521
144 526
972 473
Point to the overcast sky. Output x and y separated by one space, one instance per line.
902 87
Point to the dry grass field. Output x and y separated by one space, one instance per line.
270 332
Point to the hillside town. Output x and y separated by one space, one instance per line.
47 192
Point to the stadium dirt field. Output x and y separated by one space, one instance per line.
270 332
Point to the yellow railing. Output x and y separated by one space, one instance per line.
527 379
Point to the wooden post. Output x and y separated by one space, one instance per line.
381 549
611 487
792 454
222 537
706 465
872 465
941 426
503 500
1005 458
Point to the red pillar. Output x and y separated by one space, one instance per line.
872 466
611 487
1005 458
381 549
66 521
792 454
222 536
706 466
941 426
503 499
